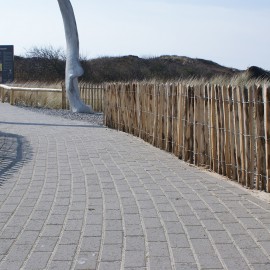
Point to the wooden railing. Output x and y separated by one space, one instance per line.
12 90
223 128
91 94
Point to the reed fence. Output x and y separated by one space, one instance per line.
223 128
91 94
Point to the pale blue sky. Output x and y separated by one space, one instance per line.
234 33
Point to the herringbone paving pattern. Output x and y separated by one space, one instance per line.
79 196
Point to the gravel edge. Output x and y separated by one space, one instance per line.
94 118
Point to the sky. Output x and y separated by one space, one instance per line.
233 33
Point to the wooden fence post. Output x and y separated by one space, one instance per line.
227 145
207 125
232 137
214 159
260 143
181 120
189 136
267 134
175 142
241 134
168 144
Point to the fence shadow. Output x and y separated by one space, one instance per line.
15 151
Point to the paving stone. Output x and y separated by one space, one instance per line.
209 261
256 256
113 237
65 253
5 245
38 260
134 258
183 256
236 263
27 238
135 243
186 266
112 252
156 234
109 265
220 237
157 249
90 244
70 237
244 241
162 263
197 232
52 230
178 241
46 244
56 265
86 261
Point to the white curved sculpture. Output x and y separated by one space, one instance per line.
73 66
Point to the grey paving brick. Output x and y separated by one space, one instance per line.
93 230
114 225
90 244
55 219
135 243
112 253
162 263
220 237
113 237
110 265
5 245
178 240
65 253
38 260
186 266
134 230
11 264
156 234
10 232
228 251
27 238
244 241
46 244
86 261
236 263
18 253
183 256
197 232
134 258
209 261
56 265
260 234
52 230
256 256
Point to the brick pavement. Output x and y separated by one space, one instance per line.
76 196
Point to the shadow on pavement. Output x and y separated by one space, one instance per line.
51 125
15 150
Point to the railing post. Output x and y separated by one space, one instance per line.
11 97
64 105
2 94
